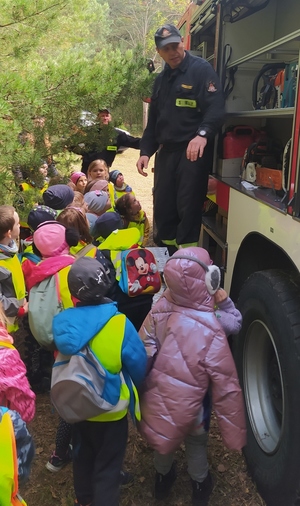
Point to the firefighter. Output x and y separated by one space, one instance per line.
186 111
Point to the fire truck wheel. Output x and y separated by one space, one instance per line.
267 354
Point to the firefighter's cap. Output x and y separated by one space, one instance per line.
167 34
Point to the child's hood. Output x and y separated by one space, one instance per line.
76 326
185 280
48 267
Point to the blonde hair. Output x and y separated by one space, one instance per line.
3 319
95 164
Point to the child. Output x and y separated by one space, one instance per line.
116 177
15 392
79 202
52 241
38 360
17 406
58 196
99 444
98 184
189 355
131 211
12 285
98 203
99 170
79 180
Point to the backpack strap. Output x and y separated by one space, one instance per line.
84 251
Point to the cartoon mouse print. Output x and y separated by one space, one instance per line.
144 274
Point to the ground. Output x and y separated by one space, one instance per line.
233 486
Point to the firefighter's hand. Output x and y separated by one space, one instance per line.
195 148
142 164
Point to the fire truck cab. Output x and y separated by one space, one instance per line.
253 226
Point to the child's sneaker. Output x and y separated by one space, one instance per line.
202 491
55 463
164 482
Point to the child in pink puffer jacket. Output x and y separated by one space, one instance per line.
15 392
190 365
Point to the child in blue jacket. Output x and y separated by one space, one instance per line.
99 443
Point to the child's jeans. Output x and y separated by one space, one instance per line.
196 455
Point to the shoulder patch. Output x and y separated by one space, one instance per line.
211 87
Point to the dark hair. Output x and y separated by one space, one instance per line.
73 218
123 206
7 220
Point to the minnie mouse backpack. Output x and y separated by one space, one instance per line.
139 272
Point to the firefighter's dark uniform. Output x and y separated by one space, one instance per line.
109 153
185 100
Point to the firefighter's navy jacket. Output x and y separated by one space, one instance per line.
184 100
109 153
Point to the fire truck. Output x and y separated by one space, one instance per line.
252 226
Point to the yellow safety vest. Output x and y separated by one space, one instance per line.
63 287
107 346
8 465
117 242
78 249
140 225
12 264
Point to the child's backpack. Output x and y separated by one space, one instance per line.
43 304
81 387
139 272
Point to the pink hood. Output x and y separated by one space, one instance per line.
47 268
15 391
188 352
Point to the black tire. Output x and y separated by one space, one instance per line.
267 354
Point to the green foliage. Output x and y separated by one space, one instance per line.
59 58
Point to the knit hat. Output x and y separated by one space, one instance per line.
106 224
53 239
113 175
76 175
39 214
95 184
58 196
96 201
88 280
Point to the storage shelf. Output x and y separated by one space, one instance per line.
265 49
284 112
216 230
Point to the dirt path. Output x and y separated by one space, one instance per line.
232 485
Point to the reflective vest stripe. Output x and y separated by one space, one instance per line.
12 264
107 346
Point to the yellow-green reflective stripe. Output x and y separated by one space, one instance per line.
111 148
187 245
169 242
185 102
